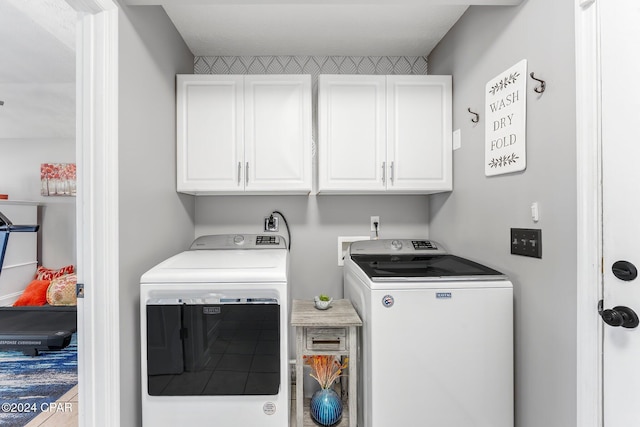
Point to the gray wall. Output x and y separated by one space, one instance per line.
316 221
155 221
474 220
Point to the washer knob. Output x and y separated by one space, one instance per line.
396 245
238 239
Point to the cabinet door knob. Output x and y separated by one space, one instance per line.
246 174
239 171
391 174
384 172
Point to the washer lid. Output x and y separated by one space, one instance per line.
423 268
221 266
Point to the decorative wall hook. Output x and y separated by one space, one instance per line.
476 118
543 84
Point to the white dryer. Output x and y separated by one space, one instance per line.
214 334
437 336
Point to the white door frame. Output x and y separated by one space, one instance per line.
589 215
97 211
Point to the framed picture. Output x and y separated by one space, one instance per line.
58 179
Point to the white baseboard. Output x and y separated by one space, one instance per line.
9 299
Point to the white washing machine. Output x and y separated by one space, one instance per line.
437 337
214 323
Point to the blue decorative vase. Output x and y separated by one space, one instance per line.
326 407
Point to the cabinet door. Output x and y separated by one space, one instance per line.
351 126
278 133
210 129
419 133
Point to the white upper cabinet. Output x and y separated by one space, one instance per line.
243 134
419 133
384 134
278 133
351 122
210 127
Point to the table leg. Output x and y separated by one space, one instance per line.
299 377
353 380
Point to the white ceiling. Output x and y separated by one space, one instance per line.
37 71
313 29
37 68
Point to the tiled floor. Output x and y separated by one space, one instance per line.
64 413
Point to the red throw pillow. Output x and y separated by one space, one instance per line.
34 294
44 273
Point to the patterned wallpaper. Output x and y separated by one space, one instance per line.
313 65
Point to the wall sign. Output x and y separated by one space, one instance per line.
505 128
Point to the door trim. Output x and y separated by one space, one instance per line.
97 211
589 216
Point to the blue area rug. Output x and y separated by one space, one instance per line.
30 384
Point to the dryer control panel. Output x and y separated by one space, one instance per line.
239 241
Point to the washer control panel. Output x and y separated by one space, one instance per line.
395 246
423 245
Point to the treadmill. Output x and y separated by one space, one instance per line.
34 328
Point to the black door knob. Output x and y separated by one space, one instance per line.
619 316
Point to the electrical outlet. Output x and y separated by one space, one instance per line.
374 220
526 242
271 223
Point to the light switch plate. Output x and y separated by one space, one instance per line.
526 242
457 139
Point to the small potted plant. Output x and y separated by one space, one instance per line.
322 301
326 405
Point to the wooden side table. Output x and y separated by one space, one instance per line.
326 332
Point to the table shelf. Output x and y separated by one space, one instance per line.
326 332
